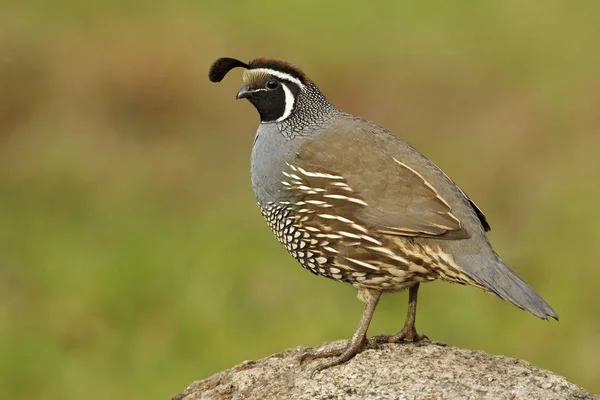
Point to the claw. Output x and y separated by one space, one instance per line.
341 356
403 335
312 354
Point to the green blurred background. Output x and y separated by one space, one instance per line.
133 258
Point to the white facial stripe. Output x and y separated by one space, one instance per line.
289 103
281 75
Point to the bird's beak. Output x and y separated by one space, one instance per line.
244 92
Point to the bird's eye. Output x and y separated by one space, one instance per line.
272 84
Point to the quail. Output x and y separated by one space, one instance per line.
354 203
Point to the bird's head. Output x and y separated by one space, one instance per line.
272 86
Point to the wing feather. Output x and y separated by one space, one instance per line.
399 200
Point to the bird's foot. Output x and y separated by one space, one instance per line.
341 355
408 334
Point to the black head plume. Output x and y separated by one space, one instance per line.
222 66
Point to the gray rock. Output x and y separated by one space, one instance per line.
428 370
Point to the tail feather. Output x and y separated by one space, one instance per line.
498 278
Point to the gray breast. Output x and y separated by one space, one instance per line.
270 153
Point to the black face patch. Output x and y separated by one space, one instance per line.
272 102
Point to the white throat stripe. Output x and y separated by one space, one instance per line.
289 102
281 75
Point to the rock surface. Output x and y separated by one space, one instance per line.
427 370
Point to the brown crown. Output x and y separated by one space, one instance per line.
279 65
222 66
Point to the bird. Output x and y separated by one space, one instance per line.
352 202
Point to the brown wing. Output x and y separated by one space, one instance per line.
387 193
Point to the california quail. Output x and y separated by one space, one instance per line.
354 203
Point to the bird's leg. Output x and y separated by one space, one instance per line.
408 332
358 340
